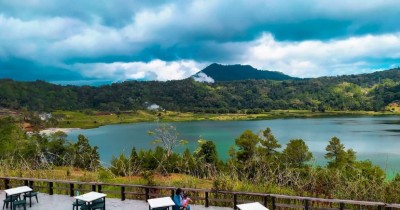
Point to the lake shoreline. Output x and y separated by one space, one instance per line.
49 131
75 119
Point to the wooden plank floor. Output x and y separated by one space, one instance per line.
63 202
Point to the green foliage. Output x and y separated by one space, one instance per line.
222 183
120 165
246 143
43 151
10 136
354 92
207 152
337 154
269 142
296 153
104 174
148 176
86 156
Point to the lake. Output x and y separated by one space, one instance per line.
374 138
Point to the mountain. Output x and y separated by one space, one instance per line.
218 72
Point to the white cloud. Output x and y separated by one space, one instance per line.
45 29
197 32
153 70
93 41
146 25
318 58
202 77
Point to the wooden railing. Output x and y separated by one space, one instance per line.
204 197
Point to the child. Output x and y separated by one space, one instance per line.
185 201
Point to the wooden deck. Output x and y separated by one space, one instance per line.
128 195
64 202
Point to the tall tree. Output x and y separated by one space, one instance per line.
337 155
207 152
296 153
247 143
134 162
268 142
85 156
167 135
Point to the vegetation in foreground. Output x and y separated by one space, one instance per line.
256 164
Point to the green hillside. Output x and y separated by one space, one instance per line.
354 92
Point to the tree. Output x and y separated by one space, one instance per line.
247 143
134 162
148 162
296 153
207 151
85 156
120 166
187 164
166 135
10 136
57 148
337 154
268 142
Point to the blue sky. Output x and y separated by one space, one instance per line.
100 41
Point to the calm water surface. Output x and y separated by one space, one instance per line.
374 138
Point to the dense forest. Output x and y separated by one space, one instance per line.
352 92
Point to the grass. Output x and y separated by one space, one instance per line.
173 179
77 119
75 174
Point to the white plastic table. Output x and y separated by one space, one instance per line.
90 197
165 202
251 206
17 191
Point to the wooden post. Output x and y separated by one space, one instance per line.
7 184
26 183
234 201
51 188
265 198
379 207
273 203
71 189
305 204
99 188
122 193
31 184
172 193
341 206
147 193
207 204
93 187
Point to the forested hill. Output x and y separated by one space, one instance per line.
220 72
355 92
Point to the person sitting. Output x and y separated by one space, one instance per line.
178 197
185 201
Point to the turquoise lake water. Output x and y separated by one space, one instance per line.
374 138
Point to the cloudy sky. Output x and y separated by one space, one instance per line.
100 41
